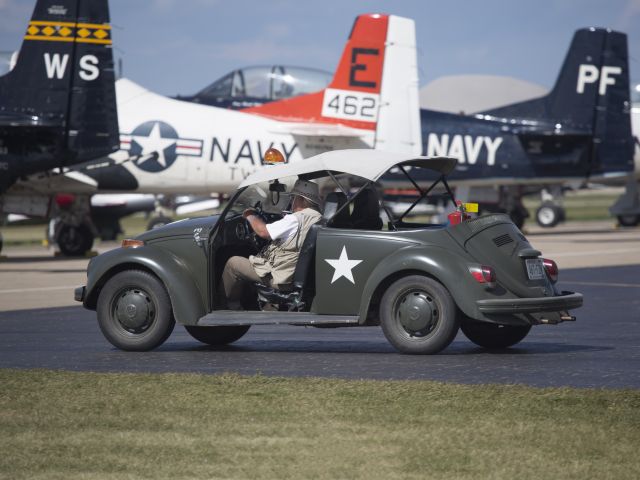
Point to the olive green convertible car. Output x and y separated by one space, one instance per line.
419 281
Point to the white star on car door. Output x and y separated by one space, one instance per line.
343 266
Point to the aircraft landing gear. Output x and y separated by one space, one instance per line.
518 215
502 200
74 240
628 220
71 227
627 207
549 215
551 212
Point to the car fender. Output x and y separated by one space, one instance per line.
449 268
187 303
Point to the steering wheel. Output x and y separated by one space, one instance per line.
252 237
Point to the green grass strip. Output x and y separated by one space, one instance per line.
65 425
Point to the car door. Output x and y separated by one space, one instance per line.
344 261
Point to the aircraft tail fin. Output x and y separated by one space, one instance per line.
591 96
375 87
61 89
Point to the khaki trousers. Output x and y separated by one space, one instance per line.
237 274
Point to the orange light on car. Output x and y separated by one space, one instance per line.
273 156
131 243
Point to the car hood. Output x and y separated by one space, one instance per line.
188 227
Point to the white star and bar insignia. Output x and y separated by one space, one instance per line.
343 266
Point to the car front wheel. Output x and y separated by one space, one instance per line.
217 335
492 335
134 311
418 315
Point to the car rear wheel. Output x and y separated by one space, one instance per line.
134 311
217 335
418 315
492 335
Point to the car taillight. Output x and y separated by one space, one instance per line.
484 274
552 269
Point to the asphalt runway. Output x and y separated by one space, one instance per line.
601 349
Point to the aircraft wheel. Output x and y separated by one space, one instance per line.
418 315
134 311
74 240
628 220
217 335
549 215
157 222
491 335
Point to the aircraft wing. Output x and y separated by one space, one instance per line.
50 183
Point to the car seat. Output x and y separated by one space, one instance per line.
294 296
366 211
333 203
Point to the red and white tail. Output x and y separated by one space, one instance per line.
375 87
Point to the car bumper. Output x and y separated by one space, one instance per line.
563 302
79 294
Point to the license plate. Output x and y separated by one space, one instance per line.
535 269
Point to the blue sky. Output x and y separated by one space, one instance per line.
179 46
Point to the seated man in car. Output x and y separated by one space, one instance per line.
275 264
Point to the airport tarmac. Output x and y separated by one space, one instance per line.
31 277
42 327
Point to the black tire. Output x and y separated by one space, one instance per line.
157 222
74 241
492 335
418 315
134 311
217 335
629 220
549 215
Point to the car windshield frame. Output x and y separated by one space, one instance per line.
350 196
